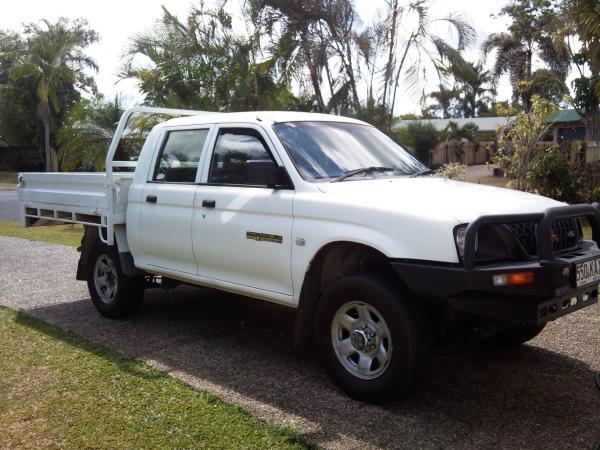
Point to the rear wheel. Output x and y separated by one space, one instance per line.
517 335
113 293
374 342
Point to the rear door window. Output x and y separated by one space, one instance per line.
180 156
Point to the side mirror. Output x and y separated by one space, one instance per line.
267 173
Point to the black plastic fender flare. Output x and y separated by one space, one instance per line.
89 240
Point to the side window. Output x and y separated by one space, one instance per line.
241 158
179 156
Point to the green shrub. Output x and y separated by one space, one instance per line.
453 171
419 137
595 197
552 175
518 143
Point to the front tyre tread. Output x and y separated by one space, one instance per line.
410 330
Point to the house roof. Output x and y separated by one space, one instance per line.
565 116
491 123
484 123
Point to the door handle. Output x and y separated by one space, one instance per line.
151 198
208 203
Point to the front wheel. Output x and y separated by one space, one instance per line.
375 343
113 293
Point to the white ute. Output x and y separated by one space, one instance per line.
328 215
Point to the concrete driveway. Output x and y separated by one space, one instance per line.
9 205
539 396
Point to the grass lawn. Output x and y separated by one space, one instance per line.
8 180
56 234
60 391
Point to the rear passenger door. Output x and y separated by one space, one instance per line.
166 214
242 227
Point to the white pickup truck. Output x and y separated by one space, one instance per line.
327 215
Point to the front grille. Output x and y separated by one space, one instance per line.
565 235
525 235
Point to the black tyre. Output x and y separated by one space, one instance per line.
114 295
375 343
513 336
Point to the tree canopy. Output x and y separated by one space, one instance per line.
42 76
310 55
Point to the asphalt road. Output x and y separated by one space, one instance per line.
8 205
539 396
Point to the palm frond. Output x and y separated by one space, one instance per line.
461 25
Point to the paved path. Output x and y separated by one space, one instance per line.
537 397
474 173
9 205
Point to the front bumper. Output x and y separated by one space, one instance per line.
469 288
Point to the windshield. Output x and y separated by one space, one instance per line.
328 150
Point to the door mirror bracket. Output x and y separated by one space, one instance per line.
282 179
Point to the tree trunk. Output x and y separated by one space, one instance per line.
397 79
350 71
592 126
314 78
47 152
526 96
389 66
334 106
55 161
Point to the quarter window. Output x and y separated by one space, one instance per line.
180 156
241 158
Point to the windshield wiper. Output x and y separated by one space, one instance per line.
365 170
423 172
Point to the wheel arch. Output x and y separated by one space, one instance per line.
332 261
91 240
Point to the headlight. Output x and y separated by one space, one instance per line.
460 234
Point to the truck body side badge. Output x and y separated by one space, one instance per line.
300 242
263 237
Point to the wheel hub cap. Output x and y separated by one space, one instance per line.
364 339
361 340
106 278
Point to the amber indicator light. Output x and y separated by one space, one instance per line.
514 278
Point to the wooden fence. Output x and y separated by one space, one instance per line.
463 152
20 158
592 152
466 153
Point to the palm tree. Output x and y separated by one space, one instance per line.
85 137
189 60
583 24
55 59
421 45
530 34
202 63
476 90
308 35
513 57
443 98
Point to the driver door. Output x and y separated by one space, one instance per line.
242 228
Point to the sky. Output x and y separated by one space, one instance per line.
116 21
